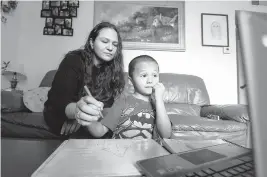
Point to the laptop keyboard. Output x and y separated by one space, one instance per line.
240 167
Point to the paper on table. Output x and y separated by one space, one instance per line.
116 149
98 157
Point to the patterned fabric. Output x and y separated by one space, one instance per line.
34 99
135 119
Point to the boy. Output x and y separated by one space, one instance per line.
141 114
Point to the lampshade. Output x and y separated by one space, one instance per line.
14 74
15 69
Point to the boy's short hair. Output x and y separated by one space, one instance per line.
137 60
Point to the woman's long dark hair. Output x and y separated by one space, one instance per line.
110 82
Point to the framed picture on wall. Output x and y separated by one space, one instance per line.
145 25
214 30
46 13
58 17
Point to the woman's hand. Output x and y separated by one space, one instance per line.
157 92
88 110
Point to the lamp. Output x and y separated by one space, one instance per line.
14 74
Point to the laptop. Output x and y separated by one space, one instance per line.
229 159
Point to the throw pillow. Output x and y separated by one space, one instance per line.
34 99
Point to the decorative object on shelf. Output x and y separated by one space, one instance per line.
145 25
214 30
7 7
59 16
14 74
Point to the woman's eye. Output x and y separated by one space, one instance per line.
115 45
105 41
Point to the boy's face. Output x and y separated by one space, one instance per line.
144 77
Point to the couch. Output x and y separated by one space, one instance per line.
187 104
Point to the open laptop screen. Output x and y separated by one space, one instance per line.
252 29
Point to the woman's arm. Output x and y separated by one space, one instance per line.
64 92
70 110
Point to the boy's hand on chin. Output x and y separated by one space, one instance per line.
157 92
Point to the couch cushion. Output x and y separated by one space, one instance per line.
237 112
195 123
48 79
25 125
183 109
180 88
12 101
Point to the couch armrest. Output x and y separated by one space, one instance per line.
201 124
236 112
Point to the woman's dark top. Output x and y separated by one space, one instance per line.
67 88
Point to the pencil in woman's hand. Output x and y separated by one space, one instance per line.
87 91
89 94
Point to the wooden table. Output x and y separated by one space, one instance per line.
21 157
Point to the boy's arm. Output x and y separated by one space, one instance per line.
163 122
97 129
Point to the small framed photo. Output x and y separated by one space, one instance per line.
48 31
73 11
45 4
214 30
58 29
46 13
59 21
49 22
73 3
55 11
54 3
68 23
64 13
64 5
67 32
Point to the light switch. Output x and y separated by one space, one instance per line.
226 50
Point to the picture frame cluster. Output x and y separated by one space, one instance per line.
58 17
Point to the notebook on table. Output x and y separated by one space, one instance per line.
229 159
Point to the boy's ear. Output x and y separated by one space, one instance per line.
130 81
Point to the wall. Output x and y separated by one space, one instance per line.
39 53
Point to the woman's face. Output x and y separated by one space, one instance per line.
105 45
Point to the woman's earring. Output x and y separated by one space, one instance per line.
91 44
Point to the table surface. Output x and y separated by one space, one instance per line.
21 157
99 157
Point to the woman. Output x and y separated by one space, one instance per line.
99 66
